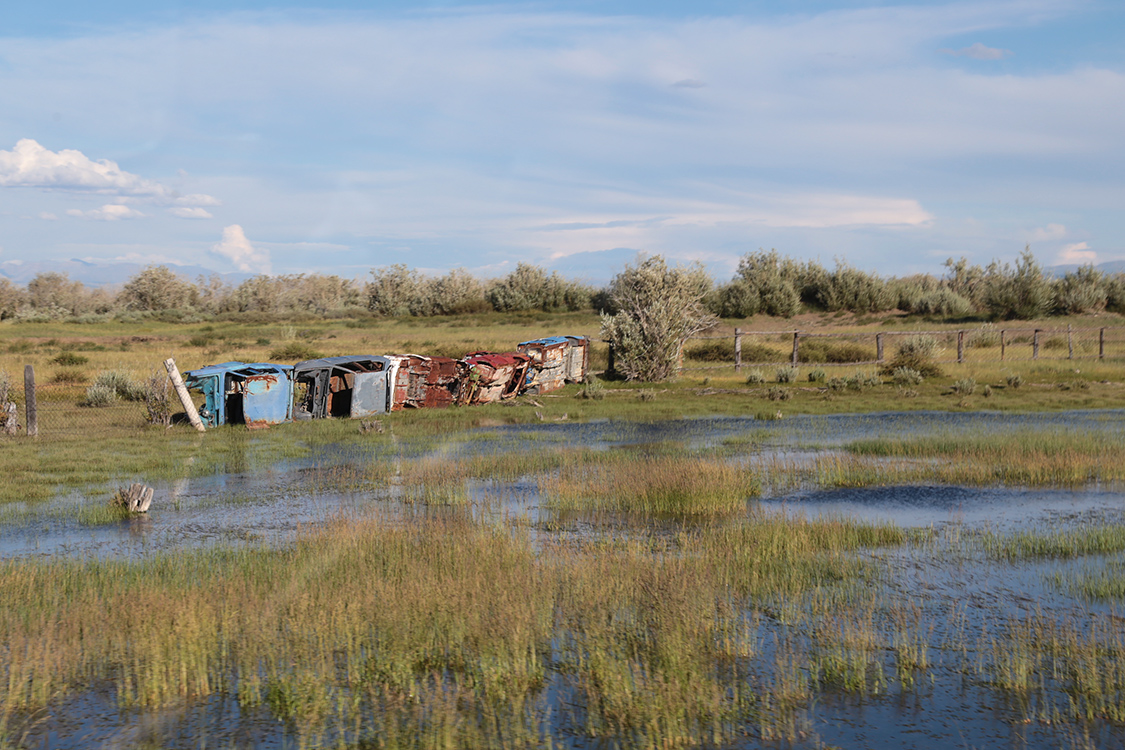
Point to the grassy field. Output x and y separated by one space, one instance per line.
677 614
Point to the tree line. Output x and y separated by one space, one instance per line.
765 283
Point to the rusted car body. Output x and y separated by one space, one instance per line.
548 363
256 395
352 386
577 359
426 382
493 377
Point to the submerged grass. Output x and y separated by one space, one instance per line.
1098 539
441 633
660 485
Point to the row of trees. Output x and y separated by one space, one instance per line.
765 283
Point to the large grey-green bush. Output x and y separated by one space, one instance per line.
658 309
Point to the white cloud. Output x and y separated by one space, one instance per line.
31 165
48 216
1048 233
109 212
185 212
978 51
1077 252
237 249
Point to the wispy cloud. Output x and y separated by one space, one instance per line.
109 212
1048 233
184 212
1077 252
978 51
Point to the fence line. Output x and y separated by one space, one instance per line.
1079 344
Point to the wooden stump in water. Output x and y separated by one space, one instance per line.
136 499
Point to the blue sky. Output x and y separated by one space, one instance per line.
278 137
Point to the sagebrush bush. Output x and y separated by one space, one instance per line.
840 353
817 376
965 387
295 351
1082 291
123 386
70 359
100 394
907 376
777 393
916 352
755 377
1014 381
158 401
787 374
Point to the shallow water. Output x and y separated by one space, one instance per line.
954 583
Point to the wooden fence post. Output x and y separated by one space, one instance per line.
1069 342
738 350
182 392
879 347
796 345
1002 344
960 347
29 401
611 365
1035 344
1101 343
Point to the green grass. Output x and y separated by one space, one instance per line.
1098 539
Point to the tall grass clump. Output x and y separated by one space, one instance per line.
1098 539
906 376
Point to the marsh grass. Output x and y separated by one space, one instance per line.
660 485
367 629
1098 539
1105 582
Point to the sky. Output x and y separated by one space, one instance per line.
287 137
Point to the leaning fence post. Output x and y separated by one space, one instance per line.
879 347
29 401
1002 344
182 392
1069 342
796 345
1101 343
738 350
611 365
1035 344
960 347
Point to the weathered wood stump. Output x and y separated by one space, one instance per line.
136 499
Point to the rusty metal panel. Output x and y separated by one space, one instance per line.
548 363
493 377
443 382
266 395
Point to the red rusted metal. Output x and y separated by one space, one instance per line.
492 376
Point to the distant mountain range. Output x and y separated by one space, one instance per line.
102 274
1112 266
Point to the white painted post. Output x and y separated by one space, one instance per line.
182 392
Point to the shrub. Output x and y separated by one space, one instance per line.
100 395
986 391
787 374
70 359
861 381
906 376
918 353
70 375
659 308
764 283
856 291
985 337
817 376
837 383
965 387
1023 293
158 402
1014 381
1083 291
755 377
777 393
717 350
844 352
295 351
646 394
123 386
594 390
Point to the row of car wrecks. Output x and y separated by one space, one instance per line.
262 394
